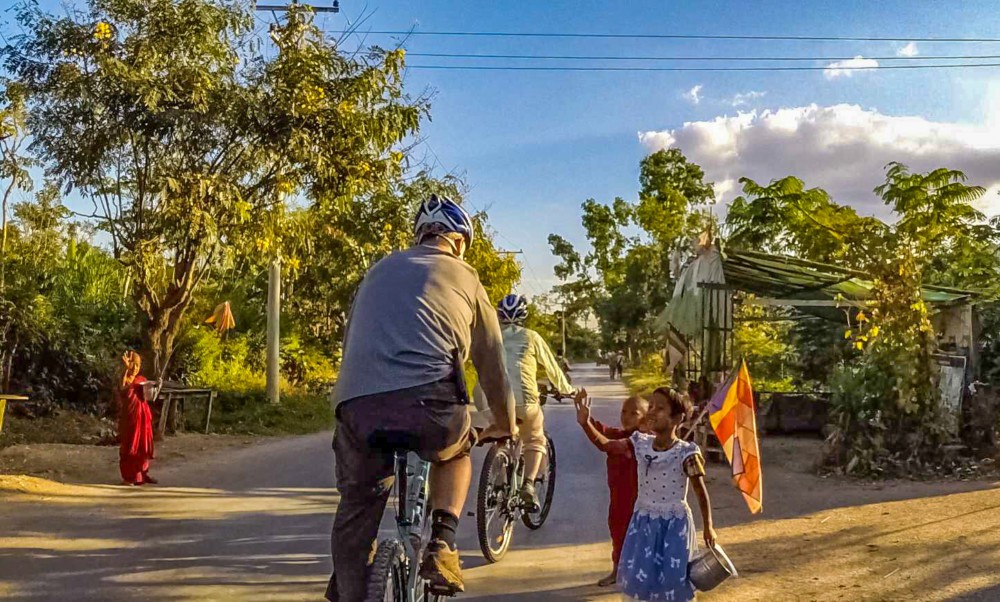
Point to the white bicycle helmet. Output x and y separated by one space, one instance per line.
440 215
513 309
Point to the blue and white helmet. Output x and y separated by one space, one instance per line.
440 215
512 309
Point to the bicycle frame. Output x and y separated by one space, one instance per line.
411 478
516 475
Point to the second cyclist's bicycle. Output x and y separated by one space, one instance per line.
498 505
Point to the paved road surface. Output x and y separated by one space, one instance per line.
254 525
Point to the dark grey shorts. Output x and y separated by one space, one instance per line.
371 429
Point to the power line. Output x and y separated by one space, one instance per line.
695 69
513 34
692 58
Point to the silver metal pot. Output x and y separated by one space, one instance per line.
710 569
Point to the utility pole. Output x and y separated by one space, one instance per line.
273 344
563 313
274 331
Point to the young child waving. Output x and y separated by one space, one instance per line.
622 469
661 535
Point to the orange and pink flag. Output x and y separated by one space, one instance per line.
733 417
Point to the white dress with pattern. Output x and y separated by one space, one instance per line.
661 537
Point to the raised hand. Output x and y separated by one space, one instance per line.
582 403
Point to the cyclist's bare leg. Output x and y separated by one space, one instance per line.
449 482
532 464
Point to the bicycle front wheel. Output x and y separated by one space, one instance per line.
545 487
494 521
388 573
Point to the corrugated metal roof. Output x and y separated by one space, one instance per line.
781 276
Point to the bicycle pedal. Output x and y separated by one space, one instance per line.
442 591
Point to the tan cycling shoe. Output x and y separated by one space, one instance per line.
442 569
529 497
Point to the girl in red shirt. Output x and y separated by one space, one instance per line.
622 481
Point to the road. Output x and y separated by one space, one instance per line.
254 524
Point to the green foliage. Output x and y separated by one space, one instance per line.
65 316
187 138
340 243
231 365
297 414
625 279
645 377
581 343
670 187
885 407
761 337
785 217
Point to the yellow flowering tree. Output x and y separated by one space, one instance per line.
188 139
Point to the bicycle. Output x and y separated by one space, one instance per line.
498 504
394 574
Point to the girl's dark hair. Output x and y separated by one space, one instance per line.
680 404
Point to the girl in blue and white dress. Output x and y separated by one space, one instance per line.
661 536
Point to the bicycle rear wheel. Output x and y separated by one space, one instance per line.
388 573
545 488
494 521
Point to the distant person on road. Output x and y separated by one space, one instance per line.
418 315
564 365
660 541
524 351
135 423
622 469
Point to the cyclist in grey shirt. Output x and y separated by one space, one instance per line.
418 315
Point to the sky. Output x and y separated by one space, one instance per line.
533 145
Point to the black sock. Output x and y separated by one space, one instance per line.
444 525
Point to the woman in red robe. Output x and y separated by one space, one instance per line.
135 424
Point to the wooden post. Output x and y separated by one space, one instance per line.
208 413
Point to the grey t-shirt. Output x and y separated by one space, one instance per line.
414 310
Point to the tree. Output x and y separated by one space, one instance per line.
338 244
626 277
671 187
166 115
13 164
785 217
952 241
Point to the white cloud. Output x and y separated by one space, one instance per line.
847 68
744 98
908 50
694 94
842 149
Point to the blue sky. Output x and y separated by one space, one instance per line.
533 146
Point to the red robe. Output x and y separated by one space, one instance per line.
135 431
623 481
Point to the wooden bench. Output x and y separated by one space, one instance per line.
173 399
4 398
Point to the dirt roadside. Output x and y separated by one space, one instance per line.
98 464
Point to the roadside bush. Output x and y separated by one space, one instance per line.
884 409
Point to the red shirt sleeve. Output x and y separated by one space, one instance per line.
609 431
613 447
